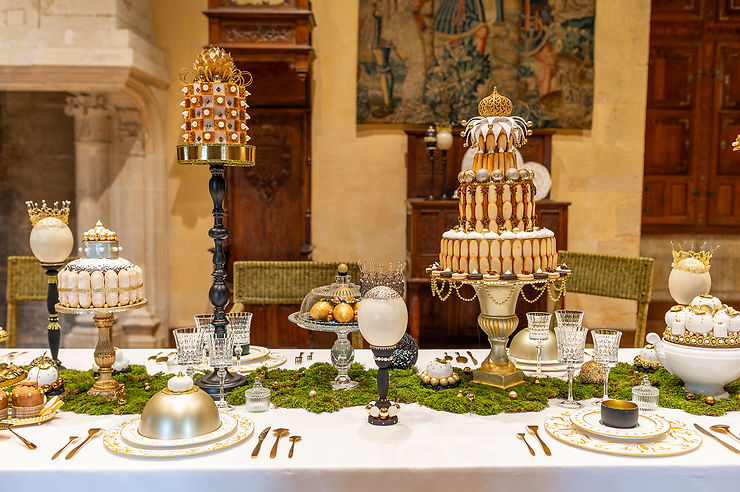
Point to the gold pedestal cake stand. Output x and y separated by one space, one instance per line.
105 353
498 320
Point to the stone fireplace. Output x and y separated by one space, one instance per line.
102 57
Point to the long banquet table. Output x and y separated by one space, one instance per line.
340 451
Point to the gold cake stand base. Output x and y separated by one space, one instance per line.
105 353
498 320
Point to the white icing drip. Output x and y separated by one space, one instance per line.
508 235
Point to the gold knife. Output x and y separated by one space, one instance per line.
706 432
261 438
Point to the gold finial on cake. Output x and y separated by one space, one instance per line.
216 65
692 261
36 213
99 233
736 144
495 105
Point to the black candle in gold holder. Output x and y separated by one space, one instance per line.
215 113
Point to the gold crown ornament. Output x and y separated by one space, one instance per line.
36 213
688 260
99 233
495 105
213 64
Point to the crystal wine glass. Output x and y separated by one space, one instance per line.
189 343
220 349
539 331
203 323
606 351
569 317
239 325
571 346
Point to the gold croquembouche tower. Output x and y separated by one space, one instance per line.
497 247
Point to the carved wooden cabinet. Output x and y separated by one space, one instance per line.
267 206
692 177
453 323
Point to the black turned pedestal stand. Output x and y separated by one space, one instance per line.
216 157
53 329
386 409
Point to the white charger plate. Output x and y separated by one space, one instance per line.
649 427
113 441
130 433
680 439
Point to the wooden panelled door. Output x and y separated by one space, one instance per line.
692 177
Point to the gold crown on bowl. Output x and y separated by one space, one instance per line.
495 105
99 233
36 213
214 64
687 259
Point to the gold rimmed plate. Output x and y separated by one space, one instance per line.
678 440
649 426
272 361
113 441
130 433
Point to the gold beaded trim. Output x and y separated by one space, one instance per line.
438 289
702 340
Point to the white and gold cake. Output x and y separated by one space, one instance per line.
215 106
497 237
102 278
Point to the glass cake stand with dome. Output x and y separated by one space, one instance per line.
333 308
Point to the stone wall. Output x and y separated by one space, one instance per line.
37 162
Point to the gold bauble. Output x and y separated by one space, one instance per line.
320 310
312 393
343 312
591 373
709 400
690 396
513 395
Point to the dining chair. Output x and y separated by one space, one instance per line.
621 277
285 282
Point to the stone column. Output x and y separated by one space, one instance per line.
92 121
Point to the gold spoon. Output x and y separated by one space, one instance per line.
472 358
7 426
724 429
71 440
520 435
460 359
154 357
164 358
90 434
293 439
448 357
280 432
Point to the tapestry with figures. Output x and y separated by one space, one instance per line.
425 61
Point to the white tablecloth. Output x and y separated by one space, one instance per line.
427 450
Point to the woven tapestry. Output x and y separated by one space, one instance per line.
424 61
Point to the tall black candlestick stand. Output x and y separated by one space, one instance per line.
219 293
383 359
430 141
53 330
444 175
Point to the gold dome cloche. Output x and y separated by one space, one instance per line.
180 411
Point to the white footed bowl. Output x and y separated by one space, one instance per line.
703 370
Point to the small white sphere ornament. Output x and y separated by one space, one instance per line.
180 383
482 175
382 316
699 321
51 240
392 411
43 375
677 314
444 138
374 411
706 300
